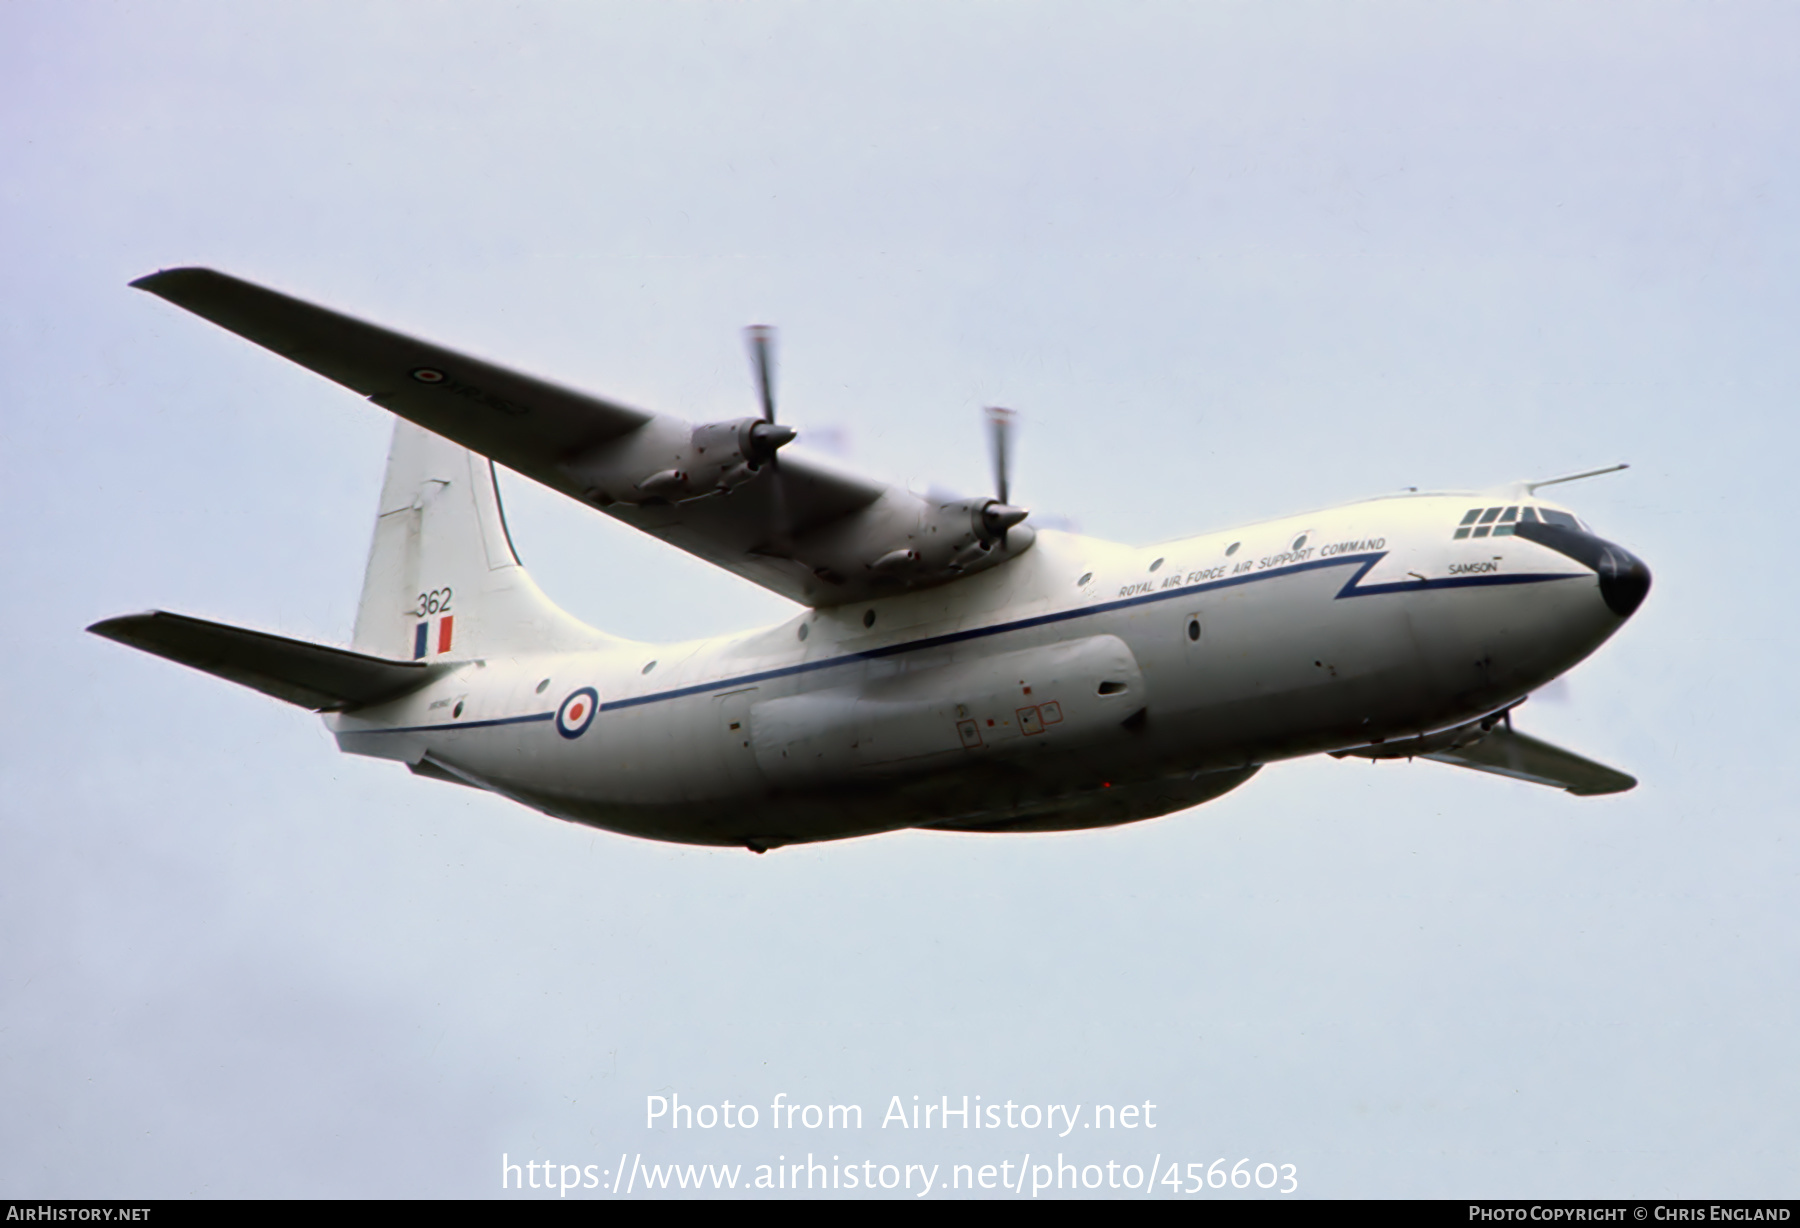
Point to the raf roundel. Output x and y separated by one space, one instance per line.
429 375
577 712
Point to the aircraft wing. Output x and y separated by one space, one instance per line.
813 534
1505 752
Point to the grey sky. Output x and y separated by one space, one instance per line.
1228 260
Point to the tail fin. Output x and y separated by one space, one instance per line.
443 582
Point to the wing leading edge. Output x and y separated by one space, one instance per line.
1487 745
812 534
1506 752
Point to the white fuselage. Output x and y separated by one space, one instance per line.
1081 684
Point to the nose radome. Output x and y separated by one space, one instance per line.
1624 580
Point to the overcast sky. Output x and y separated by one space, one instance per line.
1228 260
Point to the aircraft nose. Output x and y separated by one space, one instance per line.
1624 580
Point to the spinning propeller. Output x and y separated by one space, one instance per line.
993 518
767 437
1000 515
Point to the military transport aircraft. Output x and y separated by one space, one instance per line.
952 666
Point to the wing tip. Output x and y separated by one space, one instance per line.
1624 784
116 627
164 279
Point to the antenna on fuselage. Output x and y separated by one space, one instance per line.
1532 487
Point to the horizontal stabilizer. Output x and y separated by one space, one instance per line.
314 676
1505 752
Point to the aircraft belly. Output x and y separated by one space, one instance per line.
1108 806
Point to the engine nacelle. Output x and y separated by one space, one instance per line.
727 453
657 465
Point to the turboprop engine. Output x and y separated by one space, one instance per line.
719 455
654 464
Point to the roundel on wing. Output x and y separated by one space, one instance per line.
577 712
429 375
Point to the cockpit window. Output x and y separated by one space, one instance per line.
1501 521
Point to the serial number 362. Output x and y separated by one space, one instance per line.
1242 1176
437 601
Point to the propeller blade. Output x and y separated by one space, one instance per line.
769 438
1000 515
1000 426
762 353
